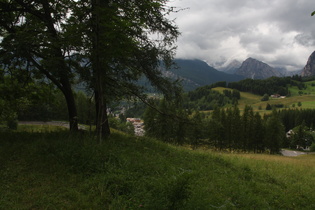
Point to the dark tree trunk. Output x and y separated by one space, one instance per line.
63 70
99 73
72 109
102 124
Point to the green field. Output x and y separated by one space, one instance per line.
55 170
310 90
307 99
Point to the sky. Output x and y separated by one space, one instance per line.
280 33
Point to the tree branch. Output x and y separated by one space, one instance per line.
46 73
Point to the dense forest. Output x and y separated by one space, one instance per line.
270 86
222 129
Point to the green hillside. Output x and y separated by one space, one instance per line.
305 96
56 171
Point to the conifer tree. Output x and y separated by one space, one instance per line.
216 130
150 124
275 133
237 140
258 134
196 130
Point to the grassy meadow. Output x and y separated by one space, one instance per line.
307 99
56 170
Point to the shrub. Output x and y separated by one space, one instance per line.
265 97
11 121
12 124
268 107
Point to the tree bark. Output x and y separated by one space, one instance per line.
72 108
62 68
102 124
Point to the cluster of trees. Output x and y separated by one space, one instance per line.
19 94
165 125
204 98
223 129
108 45
272 85
247 132
292 118
300 137
23 98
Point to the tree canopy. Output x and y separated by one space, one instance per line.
107 44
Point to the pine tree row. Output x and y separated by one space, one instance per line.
222 129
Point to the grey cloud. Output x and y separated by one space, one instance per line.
208 25
269 46
289 60
305 39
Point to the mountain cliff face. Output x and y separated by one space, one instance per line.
309 69
252 68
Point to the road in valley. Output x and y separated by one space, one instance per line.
291 153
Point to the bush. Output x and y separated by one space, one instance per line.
265 97
12 124
116 123
11 120
268 107
312 148
278 105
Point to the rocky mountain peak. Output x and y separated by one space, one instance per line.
255 69
309 69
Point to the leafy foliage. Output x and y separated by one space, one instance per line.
265 97
204 98
108 45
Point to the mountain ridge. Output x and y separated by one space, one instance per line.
232 68
255 69
196 73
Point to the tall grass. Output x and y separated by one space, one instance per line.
56 170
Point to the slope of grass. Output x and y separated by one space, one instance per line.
307 99
55 170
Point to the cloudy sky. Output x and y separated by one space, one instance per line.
277 32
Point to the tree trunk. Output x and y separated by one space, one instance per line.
72 109
102 124
61 66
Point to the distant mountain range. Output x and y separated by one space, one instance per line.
196 73
255 69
